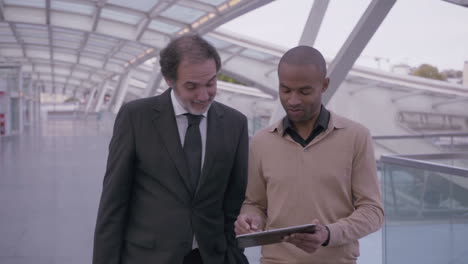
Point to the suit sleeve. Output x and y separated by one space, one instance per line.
235 192
116 192
256 195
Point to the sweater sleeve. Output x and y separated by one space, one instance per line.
368 215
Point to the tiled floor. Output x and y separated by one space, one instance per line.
49 189
50 183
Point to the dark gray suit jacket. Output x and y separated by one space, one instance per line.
148 212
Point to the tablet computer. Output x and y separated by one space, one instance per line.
271 236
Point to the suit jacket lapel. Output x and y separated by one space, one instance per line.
214 139
165 123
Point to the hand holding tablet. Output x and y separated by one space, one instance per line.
272 236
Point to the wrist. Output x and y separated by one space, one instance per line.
324 244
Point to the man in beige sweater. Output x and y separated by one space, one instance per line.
313 166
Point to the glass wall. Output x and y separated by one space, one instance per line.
426 205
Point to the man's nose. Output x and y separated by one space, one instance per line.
203 95
294 99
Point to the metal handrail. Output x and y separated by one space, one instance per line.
420 136
414 162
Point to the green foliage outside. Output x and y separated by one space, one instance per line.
429 71
225 78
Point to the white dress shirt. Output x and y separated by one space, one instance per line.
182 124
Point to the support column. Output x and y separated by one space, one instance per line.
90 99
21 101
30 111
278 112
151 90
355 44
38 102
100 100
120 93
4 102
29 102
154 81
314 22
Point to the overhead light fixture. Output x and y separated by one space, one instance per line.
223 7
234 2
185 30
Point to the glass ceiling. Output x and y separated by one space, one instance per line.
213 2
83 8
182 13
163 27
77 42
141 5
121 16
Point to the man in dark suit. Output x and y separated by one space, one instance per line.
176 171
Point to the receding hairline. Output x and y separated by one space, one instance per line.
305 55
192 49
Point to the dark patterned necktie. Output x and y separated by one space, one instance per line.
193 148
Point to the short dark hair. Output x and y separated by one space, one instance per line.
191 47
303 55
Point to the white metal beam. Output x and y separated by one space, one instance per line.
407 95
77 87
102 93
458 2
120 93
233 55
155 80
245 7
155 84
91 98
83 43
270 71
2 10
251 82
147 20
97 14
51 47
47 2
17 37
362 87
453 101
69 77
114 50
312 26
169 21
356 42
199 5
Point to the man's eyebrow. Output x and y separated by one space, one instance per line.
212 78
300 88
190 82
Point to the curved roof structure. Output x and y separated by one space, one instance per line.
74 45
82 47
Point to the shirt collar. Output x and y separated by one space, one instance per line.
322 121
179 109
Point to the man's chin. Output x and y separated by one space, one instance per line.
198 110
294 118
297 120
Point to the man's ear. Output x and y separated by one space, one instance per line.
170 82
326 82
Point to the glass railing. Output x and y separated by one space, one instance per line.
423 143
426 206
